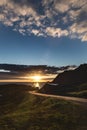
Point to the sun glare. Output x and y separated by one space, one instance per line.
37 85
36 78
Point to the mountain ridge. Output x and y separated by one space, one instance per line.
71 83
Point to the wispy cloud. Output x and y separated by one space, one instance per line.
54 18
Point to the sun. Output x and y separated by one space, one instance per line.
36 78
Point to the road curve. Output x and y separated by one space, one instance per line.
75 99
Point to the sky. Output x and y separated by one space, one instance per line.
38 32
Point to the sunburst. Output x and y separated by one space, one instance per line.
36 78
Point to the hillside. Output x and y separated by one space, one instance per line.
72 83
21 111
72 77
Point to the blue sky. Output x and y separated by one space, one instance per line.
47 32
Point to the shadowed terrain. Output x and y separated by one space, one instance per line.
71 83
20 110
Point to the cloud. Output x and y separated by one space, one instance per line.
35 32
61 7
56 32
84 37
55 18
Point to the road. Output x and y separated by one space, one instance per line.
74 99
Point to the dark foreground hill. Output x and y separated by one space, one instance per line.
72 83
20 110
77 76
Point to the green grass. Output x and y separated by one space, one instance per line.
66 90
20 110
81 91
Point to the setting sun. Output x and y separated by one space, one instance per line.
36 78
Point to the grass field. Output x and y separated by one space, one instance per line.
66 90
21 111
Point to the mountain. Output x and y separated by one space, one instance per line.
77 76
72 83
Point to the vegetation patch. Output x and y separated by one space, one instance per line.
30 112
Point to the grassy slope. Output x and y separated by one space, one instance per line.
81 91
21 111
68 90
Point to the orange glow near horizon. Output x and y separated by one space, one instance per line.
36 78
32 78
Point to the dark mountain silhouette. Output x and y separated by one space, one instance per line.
68 81
72 77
